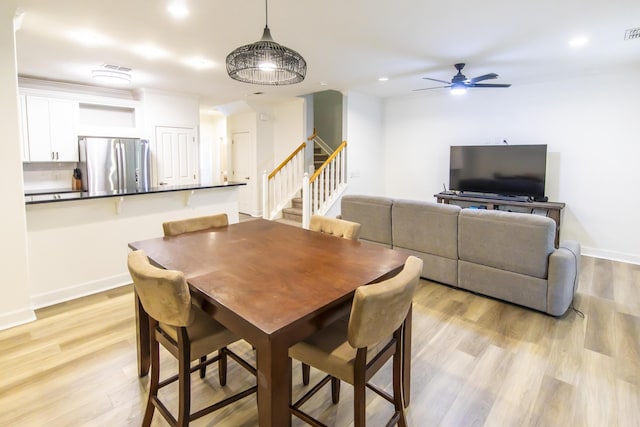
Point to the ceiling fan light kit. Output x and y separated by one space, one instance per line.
460 83
458 89
266 62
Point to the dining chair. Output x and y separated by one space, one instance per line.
354 350
174 228
209 222
334 226
185 331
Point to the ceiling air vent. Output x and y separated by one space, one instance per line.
631 34
116 68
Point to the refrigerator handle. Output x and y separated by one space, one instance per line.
120 154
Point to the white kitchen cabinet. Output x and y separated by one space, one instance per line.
51 129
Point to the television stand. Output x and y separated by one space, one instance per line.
492 196
553 209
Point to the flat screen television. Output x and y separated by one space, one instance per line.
505 170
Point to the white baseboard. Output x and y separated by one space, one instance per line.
15 318
84 289
612 255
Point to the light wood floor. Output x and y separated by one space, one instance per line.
476 362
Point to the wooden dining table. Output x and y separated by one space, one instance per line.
273 285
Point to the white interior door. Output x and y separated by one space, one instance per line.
176 156
241 171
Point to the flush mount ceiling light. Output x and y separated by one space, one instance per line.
112 74
178 9
266 62
577 42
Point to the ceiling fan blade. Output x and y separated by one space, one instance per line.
429 88
436 80
488 85
483 77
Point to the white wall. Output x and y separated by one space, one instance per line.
14 304
365 144
288 129
591 126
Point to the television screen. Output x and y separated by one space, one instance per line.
509 170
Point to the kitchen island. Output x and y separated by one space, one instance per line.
77 242
61 195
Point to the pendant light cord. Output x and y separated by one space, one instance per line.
266 14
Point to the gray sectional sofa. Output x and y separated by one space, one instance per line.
506 255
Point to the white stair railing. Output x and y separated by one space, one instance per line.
281 185
325 186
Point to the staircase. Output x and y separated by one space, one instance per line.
281 188
319 157
294 213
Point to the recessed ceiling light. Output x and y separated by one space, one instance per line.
578 42
383 79
178 9
150 51
89 37
198 63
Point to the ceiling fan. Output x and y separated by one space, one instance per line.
460 83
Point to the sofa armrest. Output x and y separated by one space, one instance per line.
564 273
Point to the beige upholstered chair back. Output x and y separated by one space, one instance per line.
336 227
174 228
380 308
164 294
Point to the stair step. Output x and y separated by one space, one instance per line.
296 203
292 214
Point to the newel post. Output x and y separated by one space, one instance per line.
306 202
265 196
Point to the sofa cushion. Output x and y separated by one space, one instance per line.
436 268
517 288
509 241
426 227
372 213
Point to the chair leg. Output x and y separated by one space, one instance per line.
154 377
359 388
359 405
184 381
398 386
203 370
222 366
335 390
306 371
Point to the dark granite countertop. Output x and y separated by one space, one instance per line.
49 196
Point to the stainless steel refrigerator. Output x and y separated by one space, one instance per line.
114 165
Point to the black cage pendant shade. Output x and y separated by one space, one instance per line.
266 62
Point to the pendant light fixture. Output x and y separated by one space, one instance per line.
266 62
